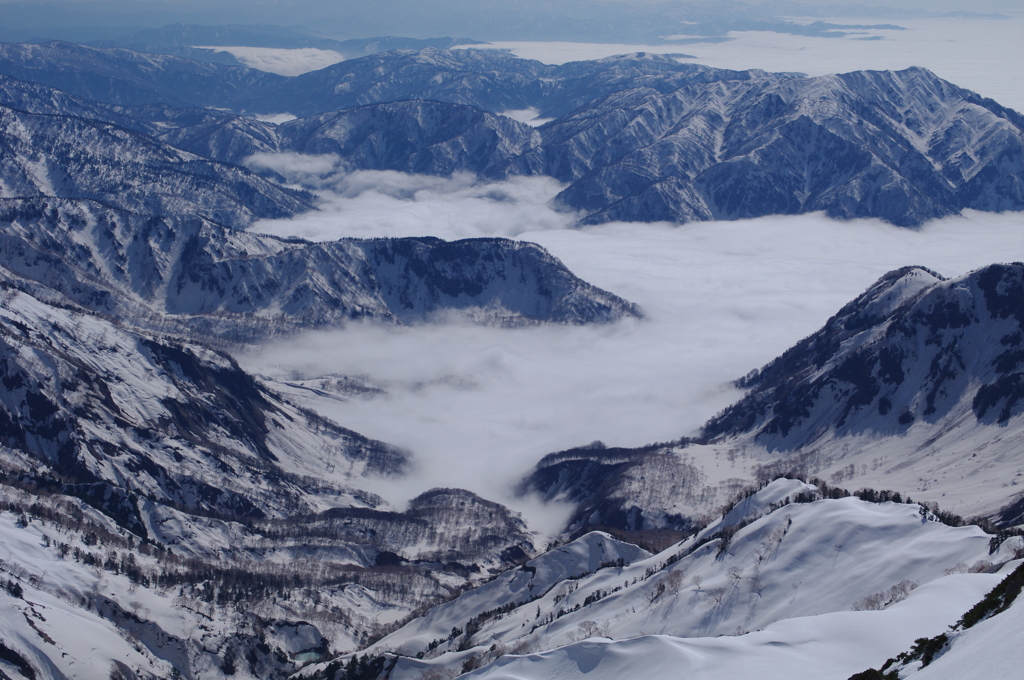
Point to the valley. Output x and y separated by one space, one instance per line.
353 374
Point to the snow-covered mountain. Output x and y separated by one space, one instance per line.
993 624
414 136
913 386
772 565
487 79
916 385
632 489
121 76
187 274
160 466
62 156
904 146
913 347
166 514
638 137
176 424
781 560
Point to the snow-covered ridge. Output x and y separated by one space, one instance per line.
185 273
513 589
809 559
718 145
912 347
638 137
59 156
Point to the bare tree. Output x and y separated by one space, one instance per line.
674 581
588 628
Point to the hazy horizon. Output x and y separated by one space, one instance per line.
604 21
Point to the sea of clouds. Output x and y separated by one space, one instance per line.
478 406
973 53
284 62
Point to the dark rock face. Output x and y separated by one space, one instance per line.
912 347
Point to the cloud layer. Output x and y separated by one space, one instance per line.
375 203
479 406
971 53
284 62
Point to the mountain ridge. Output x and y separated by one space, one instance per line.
188 274
643 137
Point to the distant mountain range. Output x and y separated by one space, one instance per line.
637 138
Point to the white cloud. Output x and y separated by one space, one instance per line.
479 406
285 62
275 118
374 203
530 116
296 168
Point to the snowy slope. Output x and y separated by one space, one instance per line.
50 155
639 137
904 146
990 649
915 387
513 589
830 646
168 422
78 619
780 562
121 76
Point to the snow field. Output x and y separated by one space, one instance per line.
786 572
829 646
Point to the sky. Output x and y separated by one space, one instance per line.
937 5
579 20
